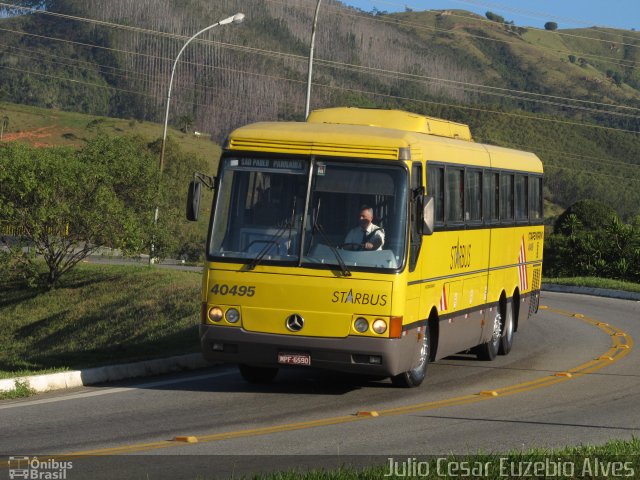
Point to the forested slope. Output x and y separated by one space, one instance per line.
571 96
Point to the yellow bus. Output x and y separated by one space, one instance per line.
367 241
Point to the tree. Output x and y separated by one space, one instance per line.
617 78
551 26
186 122
4 124
494 17
66 204
572 58
589 215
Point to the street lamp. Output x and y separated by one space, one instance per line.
237 18
313 40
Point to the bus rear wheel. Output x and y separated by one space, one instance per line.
506 341
415 376
488 351
259 375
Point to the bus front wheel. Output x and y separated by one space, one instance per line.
260 375
416 375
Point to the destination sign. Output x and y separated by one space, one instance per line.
267 163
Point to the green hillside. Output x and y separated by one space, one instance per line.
570 96
52 127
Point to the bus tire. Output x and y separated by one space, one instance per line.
258 375
488 351
506 341
415 376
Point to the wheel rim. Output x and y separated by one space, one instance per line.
423 354
497 329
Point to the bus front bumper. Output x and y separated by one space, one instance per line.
365 355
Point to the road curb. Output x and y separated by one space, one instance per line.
91 376
597 292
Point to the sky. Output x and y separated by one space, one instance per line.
528 13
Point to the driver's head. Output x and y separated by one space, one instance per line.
366 216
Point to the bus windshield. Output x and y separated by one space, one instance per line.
260 213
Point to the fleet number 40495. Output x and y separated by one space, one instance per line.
239 290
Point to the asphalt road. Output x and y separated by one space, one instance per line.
571 378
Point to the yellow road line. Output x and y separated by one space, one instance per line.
619 339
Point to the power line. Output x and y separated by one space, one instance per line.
155 78
343 12
396 97
532 14
510 114
301 58
244 111
154 32
478 18
470 87
584 158
395 21
297 57
597 174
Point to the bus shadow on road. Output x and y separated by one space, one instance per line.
296 381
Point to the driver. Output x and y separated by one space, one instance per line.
367 235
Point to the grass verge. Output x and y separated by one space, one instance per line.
568 463
99 315
21 390
594 282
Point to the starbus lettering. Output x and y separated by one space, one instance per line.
460 256
359 298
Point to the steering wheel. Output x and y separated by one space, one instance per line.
351 246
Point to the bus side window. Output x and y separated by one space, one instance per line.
535 198
491 196
454 195
435 188
522 198
506 197
473 196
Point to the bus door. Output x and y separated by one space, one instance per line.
414 287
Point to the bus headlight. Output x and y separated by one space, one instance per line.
379 326
361 325
232 315
215 314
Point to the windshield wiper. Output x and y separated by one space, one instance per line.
317 227
273 240
268 243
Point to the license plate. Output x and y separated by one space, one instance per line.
294 358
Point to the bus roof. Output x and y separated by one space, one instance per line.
352 133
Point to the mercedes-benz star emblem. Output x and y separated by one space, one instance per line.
295 322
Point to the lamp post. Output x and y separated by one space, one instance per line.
313 40
237 18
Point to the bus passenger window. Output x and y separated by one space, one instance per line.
435 186
506 197
522 198
473 197
535 198
491 197
455 195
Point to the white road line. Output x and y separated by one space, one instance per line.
109 391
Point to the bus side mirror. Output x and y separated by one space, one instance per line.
428 215
193 200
